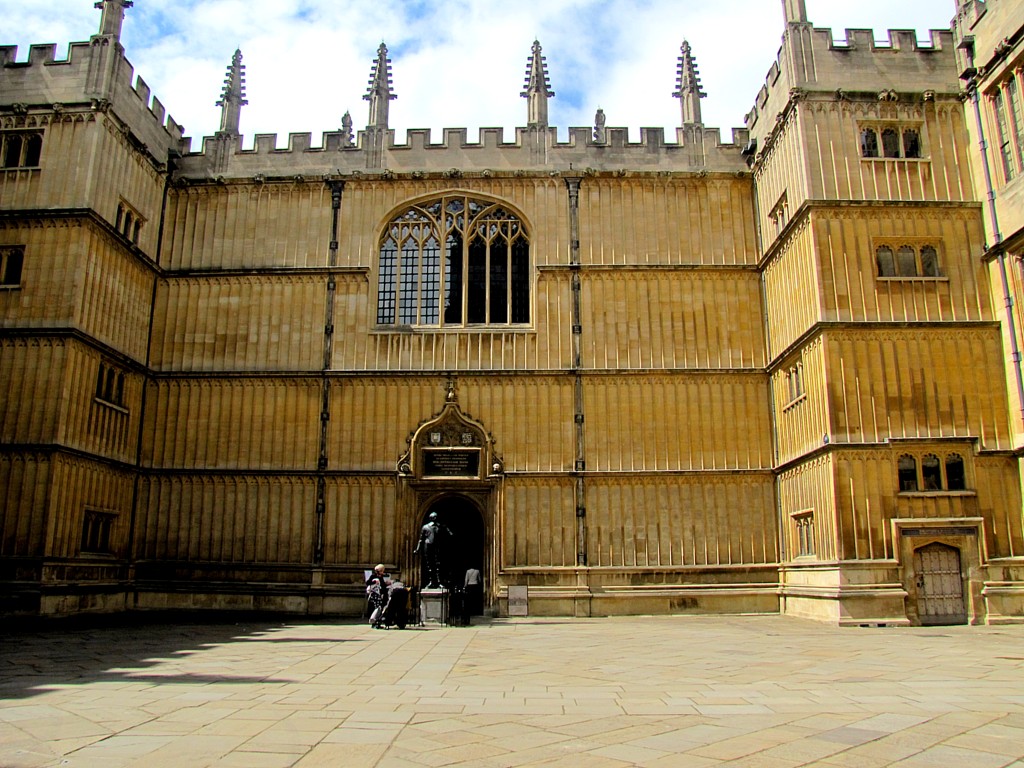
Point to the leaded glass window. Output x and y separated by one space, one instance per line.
479 276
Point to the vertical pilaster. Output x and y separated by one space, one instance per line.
325 387
580 462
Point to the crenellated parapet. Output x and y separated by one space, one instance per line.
693 149
812 60
43 82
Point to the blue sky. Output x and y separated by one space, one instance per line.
458 63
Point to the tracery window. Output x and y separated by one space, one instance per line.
454 261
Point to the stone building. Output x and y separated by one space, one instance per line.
684 375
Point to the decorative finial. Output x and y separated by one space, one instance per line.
346 129
232 98
794 11
379 93
538 89
451 397
113 16
688 87
600 136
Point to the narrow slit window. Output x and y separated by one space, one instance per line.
890 142
907 473
906 259
868 143
931 473
886 261
956 478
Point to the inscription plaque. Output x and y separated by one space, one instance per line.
451 462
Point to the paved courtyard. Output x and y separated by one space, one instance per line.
651 691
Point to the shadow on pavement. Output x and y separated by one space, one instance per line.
39 655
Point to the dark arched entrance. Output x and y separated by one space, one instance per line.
464 548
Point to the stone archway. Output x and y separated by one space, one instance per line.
467 545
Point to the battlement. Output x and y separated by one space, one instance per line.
43 80
695 148
814 59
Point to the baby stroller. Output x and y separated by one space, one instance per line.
395 611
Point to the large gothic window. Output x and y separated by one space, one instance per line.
454 261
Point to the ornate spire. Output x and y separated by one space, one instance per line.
113 16
379 93
232 99
688 87
538 89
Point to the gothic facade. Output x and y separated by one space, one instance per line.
681 375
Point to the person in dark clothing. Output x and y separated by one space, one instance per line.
472 593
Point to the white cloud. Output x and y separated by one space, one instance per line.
455 63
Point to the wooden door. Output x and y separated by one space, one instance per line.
940 592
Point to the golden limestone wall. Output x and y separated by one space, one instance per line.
259 322
237 519
668 283
706 221
867 500
76 276
643 318
247 226
836 170
24 489
87 162
237 423
904 383
648 423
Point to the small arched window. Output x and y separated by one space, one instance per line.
906 260
868 143
931 473
453 262
956 478
907 473
886 261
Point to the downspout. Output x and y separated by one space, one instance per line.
970 74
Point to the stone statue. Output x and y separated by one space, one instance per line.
431 546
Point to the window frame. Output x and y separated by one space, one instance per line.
11 276
442 261
871 140
30 147
937 480
927 254
804 535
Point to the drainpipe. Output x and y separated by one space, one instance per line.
970 75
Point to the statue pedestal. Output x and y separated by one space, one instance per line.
434 606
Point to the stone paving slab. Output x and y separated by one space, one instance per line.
640 691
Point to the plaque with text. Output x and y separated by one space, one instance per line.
451 462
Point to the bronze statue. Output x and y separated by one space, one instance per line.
431 545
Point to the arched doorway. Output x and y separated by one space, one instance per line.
940 593
464 544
